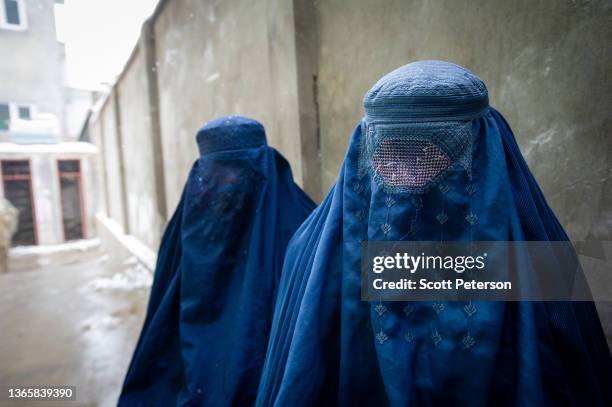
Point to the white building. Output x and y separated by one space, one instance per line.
44 172
53 188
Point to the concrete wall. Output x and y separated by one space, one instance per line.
302 67
78 103
196 61
100 204
33 59
145 220
219 58
546 65
46 191
111 154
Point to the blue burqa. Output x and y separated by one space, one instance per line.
210 310
429 161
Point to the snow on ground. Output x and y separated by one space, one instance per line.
59 331
28 258
138 249
134 276
77 245
55 148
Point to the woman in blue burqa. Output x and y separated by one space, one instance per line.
430 158
209 315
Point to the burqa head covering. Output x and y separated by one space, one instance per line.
210 311
430 160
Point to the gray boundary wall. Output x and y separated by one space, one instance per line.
196 61
302 67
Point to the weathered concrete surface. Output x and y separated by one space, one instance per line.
112 151
219 58
114 240
35 73
93 191
302 67
74 325
98 180
145 220
546 65
47 199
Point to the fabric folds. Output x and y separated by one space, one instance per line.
329 348
205 334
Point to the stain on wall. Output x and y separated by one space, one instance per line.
302 68
221 58
111 151
145 221
546 65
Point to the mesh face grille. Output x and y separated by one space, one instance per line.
406 162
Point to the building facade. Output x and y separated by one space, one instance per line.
43 173
51 186
32 90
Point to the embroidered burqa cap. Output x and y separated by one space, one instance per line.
204 337
230 133
430 160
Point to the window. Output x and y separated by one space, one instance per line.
5 116
12 15
17 183
15 111
25 112
11 7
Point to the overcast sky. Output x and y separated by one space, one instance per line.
99 36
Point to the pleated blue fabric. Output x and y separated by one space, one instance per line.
204 338
429 161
